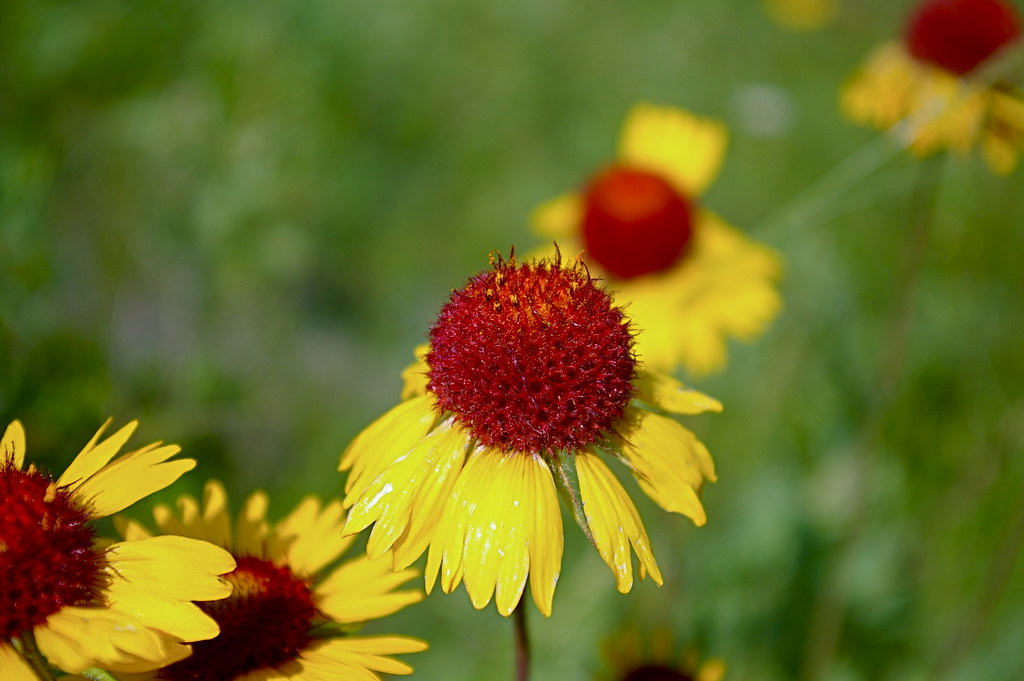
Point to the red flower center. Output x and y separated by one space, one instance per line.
958 35
265 622
656 672
532 358
635 222
47 559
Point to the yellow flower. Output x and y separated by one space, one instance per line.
633 659
926 85
290 608
124 606
529 372
690 280
802 15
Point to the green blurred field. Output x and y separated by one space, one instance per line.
233 221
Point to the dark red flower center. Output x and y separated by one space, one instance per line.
656 672
47 558
635 222
958 35
532 357
265 622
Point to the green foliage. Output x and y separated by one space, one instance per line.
234 221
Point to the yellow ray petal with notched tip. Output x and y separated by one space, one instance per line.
408 493
93 457
133 476
312 536
364 589
686 150
252 533
74 639
12 446
171 566
359 653
384 440
614 522
668 461
502 524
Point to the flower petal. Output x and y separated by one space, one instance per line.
12 446
12 666
360 653
683 148
668 461
408 496
173 567
93 457
614 521
664 392
312 535
363 589
384 440
130 478
559 218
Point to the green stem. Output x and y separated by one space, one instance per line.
522 642
26 644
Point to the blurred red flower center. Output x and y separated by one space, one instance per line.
958 35
532 358
265 622
47 560
635 222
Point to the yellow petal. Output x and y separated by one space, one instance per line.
802 15
614 521
12 666
414 376
364 589
130 478
182 619
664 392
360 652
313 536
685 149
12 446
668 461
172 567
409 493
558 218
386 439
74 639
93 457
251 529
725 287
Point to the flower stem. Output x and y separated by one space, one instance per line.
25 644
94 674
522 643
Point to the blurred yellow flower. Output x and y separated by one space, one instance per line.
656 659
530 371
689 279
802 15
123 606
926 85
290 608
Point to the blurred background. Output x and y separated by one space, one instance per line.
234 221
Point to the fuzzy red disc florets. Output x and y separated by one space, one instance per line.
635 222
958 35
47 559
264 623
532 358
